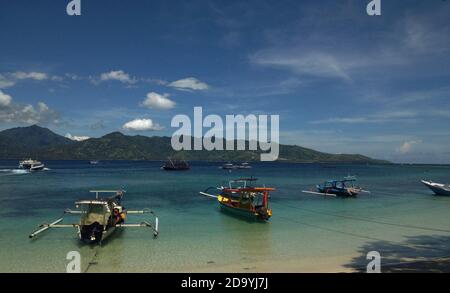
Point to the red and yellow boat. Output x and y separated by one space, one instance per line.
242 199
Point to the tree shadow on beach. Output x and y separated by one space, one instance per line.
416 254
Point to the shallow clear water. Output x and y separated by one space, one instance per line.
400 218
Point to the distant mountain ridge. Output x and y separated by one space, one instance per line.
35 141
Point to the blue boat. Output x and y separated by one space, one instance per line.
342 188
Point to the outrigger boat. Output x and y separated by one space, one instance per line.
242 199
338 188
438 188
100 217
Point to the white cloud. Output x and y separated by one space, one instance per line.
381 117
11 112
5 100
77 138
30 75
157 101
28 114
5 83
407 147
118 75
141 125
190 83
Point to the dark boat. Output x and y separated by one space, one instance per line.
438 188
342 188
175 165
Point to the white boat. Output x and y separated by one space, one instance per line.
32 165
228 166
438 188
244 166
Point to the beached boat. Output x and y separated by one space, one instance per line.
32 165
340 188
100 217
242 199
438 188
174 165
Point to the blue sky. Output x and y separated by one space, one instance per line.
341 81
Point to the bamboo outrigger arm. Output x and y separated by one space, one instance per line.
318 193
155 228
69 211
55 224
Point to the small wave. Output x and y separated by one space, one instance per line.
13 172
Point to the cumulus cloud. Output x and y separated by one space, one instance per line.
5 99
12 112
141 125
77 138
407 147
117 75
190 83
157 101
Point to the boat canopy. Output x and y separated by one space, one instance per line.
95 212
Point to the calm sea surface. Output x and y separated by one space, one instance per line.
400 218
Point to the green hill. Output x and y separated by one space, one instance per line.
42 143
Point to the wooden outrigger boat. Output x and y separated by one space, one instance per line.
338 188
241 199
100 217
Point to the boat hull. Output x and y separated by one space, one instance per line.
37 168
175 168
242 213
95 233
338 192
438 189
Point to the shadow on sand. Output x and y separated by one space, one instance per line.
416 254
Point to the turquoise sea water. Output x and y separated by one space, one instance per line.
400 218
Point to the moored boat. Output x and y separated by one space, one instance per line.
174 165
244 165
228 166
340 188
100 217
438 188
241 199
